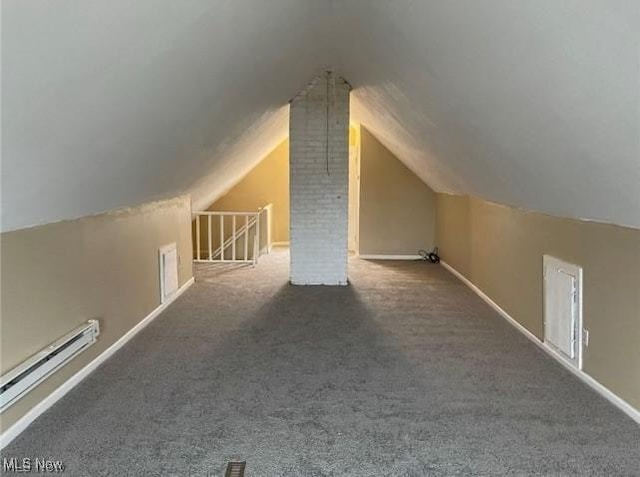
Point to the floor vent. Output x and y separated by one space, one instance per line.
235 469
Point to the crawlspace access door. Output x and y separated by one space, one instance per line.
562 309
168 256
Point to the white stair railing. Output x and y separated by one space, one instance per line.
248 234
245 229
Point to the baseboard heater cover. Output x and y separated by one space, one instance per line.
24 377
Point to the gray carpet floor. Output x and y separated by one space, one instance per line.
404 373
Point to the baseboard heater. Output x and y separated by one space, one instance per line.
17 382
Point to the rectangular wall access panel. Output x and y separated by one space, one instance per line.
168 256
562 308
319 182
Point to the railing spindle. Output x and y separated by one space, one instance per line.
246 238
233 238
209 235
198 237
222 238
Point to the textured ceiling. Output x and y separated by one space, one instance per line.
113 103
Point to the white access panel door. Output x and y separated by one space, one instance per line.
168 271
562 314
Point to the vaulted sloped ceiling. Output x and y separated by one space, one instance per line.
111 103
114 103
532 103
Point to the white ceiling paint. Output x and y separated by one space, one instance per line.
534 104
114 103
238 156
110 103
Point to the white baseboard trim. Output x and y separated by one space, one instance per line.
493 304
389 257
21 424
279 244
613 398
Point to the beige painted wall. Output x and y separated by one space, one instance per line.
397 209
57 276
266 183
500 250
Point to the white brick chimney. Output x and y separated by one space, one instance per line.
319 182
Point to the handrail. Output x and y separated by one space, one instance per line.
251 226
215 212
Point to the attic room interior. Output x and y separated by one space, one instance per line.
336 237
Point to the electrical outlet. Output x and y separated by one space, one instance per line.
585 337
